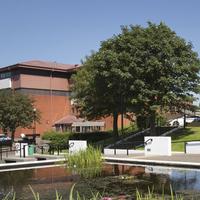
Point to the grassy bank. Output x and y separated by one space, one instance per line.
188 134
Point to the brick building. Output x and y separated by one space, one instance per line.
49 84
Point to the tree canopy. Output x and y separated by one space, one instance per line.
16 110
138 70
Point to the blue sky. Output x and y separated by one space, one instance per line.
67 30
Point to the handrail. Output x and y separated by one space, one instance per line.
71 144
148 141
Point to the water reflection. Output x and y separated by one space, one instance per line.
14 180
181 179
44 181
123 179
115 180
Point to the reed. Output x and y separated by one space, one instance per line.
138 196
75 195
10 196
152 196
87 163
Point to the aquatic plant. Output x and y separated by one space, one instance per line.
10 194
138 196
152 196
86 163
75 195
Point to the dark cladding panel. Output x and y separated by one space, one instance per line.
44 92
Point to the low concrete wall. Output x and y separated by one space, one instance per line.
192 147
121 151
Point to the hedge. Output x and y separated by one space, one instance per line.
61 138
57 138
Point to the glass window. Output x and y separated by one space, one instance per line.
5 75
78 129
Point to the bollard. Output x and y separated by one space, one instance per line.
1 153
20 147
42 149
24 151
58 150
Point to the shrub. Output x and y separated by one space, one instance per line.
57 138
142 122
129 129
161 120
91 137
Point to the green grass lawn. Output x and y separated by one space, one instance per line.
188 134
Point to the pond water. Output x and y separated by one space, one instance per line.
115 180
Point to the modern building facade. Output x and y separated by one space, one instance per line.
49 84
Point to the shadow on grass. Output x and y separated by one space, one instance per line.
177 135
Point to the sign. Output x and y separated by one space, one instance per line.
20 149
77 145
157 146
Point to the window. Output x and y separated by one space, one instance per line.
5 75
78 129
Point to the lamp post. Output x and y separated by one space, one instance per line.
34 124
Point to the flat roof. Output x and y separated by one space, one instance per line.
43 65
88 123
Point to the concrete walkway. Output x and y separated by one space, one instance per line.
37 160
176 160
180 160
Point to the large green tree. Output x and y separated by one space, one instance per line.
100 86
140 70
16 110
169 70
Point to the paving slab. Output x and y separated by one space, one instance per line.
18 159
176 160
13 162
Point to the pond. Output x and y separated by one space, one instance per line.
115 180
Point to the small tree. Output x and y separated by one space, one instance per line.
16 110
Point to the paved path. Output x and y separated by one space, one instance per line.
176 160
14 162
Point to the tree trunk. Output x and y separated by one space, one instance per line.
122 114
115 124
4 131
122 123
153 124
12 136
184 120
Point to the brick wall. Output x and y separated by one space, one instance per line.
52 108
